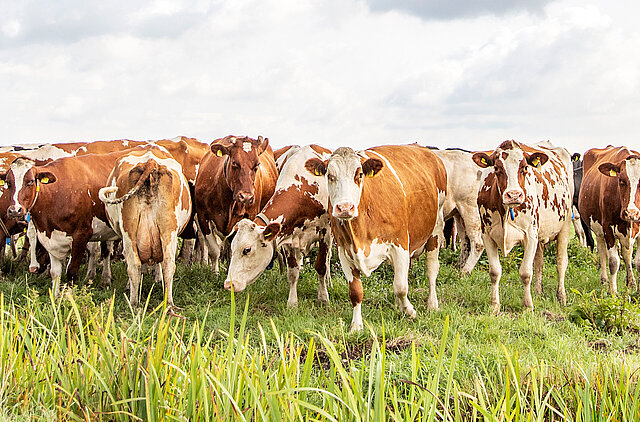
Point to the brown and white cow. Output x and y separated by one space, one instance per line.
148 204
609 203
525 198
235 180
461 203
385 204
294 219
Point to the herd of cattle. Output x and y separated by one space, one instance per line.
388 203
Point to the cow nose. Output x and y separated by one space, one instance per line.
15 211
245 197
345 210
236 286
632 215
513 197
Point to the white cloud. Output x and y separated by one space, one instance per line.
336 73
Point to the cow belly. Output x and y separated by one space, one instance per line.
368 259
58 245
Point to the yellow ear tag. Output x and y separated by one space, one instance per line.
219 153
316 172
45 180
268 235
536 162
612 173
37 188
1 182
484 161
370 174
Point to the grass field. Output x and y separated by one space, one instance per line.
91 357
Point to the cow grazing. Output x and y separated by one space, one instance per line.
609 202
525 198
294 219
385 204
148 204
235 180
463 181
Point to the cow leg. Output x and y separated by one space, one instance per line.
562 261
106 262
32 236
637 260
352 275
432 268
495 272
93 249
56 275
186 252
577 227
538 266
323 268
294 260
134 270
603 259
400 260
526 269
169 266
214 251
157 273
464 241
626 248
78 248
614 264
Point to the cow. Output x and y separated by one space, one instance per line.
463 181
609 203
235 180
385 204
525 197
148 204
294 219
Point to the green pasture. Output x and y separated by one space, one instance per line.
91 357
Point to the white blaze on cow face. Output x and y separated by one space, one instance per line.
628 175
511 165
20 177
251 253
345 173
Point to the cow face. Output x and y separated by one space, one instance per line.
345 171
251 253
512 167
627 172
23 182
242 159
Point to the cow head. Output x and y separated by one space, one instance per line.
252 249
241 162
511 166
23 183
628 174
345 171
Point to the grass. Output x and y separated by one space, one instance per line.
91 357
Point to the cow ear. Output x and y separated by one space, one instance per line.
609 169
316 167
537 159
371 167
262 147
271 231
482 160
45 177
575 157
219 149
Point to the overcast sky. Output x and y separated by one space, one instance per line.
463 73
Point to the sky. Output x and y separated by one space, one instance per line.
359 73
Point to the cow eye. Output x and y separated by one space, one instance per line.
246 251
331 178
30 183
622 182
235 164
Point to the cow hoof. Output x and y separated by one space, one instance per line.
562 299
495 309
432 305
355 327
292 304
411 312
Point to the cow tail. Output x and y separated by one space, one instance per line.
149 168
587 233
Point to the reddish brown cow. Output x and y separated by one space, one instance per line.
609 203
236 179
385 204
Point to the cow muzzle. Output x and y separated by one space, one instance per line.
15 212
244 197
631 215
237 286
345 211
513 197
